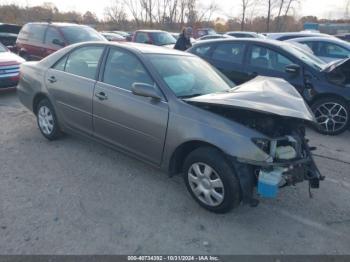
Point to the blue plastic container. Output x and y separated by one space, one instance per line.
268 182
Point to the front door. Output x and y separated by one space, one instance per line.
134 123
267 62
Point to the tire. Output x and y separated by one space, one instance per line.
47 120
202 187
332 115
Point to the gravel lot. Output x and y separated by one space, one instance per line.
74 196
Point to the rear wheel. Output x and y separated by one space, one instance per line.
47 121
332 115
211 180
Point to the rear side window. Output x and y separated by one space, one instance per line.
83 61
229 52
33 33
332 50
142 38
23 34
123 69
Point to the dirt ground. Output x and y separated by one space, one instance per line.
74 196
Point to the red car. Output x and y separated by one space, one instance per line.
38 40
9 67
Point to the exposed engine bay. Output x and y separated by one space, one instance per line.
339 74
290 160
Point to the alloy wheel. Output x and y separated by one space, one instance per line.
206 184
331 116
46 121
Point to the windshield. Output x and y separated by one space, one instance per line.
305 56
163 38
189 76
77 34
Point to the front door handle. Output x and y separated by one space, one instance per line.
101 96
52 79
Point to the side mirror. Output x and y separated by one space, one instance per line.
146 90
292 69
58 42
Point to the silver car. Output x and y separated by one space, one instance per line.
174 111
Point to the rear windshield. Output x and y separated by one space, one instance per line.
77 34
163 38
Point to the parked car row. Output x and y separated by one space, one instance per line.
240 59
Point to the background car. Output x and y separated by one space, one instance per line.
154 37
8 34
217 36
293 35
327 49
113 37
9 67
166 107
38 40
242 34
325 87
199 32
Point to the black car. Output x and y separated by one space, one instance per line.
8 34
326 87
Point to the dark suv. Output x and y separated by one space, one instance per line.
326 87
38 40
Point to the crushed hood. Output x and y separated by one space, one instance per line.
262 94
344 63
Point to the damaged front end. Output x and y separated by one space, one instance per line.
281 118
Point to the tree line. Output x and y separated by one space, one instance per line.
250 15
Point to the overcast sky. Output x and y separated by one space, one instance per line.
320 8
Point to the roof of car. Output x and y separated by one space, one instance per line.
315 38
150 49
254 40
55 24
149 31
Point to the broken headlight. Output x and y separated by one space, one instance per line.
263 144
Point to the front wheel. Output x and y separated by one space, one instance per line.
332 116
211 180
47 121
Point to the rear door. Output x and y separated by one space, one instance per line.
71 83
229 58
266 61
134 123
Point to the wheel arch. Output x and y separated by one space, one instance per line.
182 151
37 98
329 95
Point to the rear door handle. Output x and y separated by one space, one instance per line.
101 96
52 79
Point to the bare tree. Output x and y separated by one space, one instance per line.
115 13
245 4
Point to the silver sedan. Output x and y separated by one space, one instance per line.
174 111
